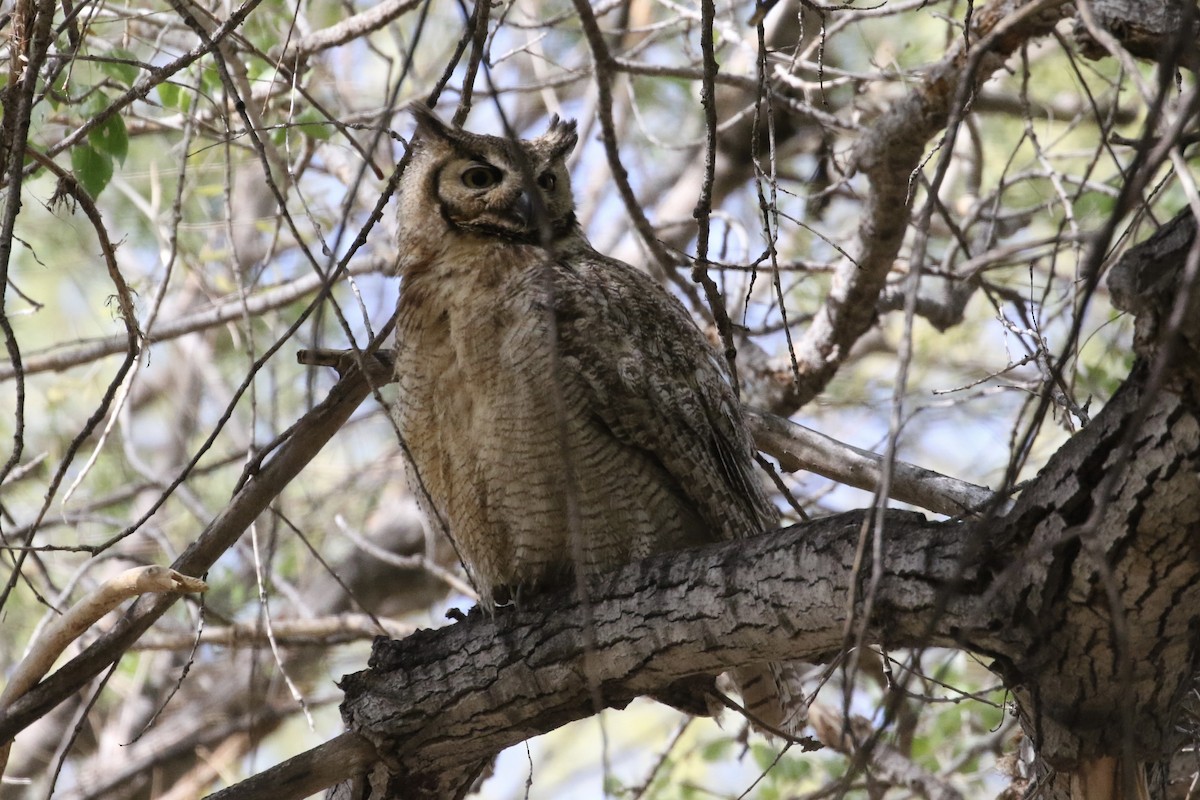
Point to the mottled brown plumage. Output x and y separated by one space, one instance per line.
562 411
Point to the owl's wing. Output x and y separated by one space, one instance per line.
654 381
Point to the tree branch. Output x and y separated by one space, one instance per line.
81 616
307 773
797 447
308 437
1148 30
1090 567
439 703
57 359
888 154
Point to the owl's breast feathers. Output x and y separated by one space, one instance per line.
566 411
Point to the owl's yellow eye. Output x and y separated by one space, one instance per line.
480 176
547 181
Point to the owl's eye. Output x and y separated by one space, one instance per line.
480 176
547 181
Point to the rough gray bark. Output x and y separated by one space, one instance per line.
1168 32
1099 584
441 703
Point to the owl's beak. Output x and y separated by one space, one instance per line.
523 208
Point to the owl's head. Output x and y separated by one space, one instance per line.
490 186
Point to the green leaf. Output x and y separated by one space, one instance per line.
172 95
310 123
92 169
210 80
717 750
124 74
111 138
613 785
764 755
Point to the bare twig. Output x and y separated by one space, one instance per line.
798 447
888 763
346 30
288 632
308 437
59 359
81 616
888 154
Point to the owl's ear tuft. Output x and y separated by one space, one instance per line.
560 138
430 124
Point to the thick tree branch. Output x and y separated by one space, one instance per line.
1149 30
439 703
777 597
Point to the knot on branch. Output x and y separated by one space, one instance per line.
375 366
1156 282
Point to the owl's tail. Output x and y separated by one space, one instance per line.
773 696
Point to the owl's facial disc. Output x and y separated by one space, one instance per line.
495 201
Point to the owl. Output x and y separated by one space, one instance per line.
560 410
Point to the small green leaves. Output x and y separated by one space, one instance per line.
93 162
312 124
309 122
172 95
92 169
123 73
110 137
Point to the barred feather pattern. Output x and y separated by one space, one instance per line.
561 410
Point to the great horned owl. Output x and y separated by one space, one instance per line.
561 410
